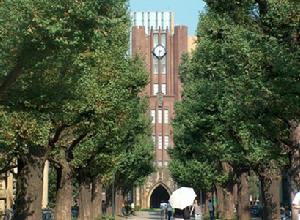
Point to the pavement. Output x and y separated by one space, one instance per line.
142 215
148 215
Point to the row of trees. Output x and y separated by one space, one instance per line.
241 103
70 94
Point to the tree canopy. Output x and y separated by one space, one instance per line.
68 90
241 86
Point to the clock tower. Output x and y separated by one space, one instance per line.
160 44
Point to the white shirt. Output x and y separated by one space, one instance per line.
296 201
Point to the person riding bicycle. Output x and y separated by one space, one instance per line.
126 209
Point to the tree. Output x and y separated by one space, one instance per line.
229 119
66 80
122 155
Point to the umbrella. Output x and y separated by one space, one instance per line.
182 197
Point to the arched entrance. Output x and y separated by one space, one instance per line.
159 194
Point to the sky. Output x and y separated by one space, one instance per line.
186 11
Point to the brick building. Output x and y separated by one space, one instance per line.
161 44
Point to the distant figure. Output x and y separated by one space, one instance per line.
178 214
198 211
211 209
169 210
103 207
163 210
296 204
132 208
187 213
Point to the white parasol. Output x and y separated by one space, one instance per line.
182 197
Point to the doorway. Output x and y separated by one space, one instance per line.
159 194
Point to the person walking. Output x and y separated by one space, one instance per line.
198 211
169 210
132 207
211 210
178 214
163 210
187 213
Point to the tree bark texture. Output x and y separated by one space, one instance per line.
243 198
119 200
220 204
64 195
228 204
270 185
96 211
29 188
85 200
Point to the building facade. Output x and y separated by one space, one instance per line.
161 45
7 191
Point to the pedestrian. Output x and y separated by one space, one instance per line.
169 210
187 213
132 207
103 207
296 204
163 210
198 211
211 210
178 214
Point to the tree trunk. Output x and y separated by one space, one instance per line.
96 199
295 164
243 198
85 200
270 185
220 204
64 194
228 202
119 201
29 189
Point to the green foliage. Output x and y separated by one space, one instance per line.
241 85
75 92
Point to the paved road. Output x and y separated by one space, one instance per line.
150 216
143 216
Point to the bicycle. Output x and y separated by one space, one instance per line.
126 211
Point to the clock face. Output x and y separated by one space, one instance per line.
159 51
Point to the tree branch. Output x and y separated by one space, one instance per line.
8 167
55 162
77 141
56 135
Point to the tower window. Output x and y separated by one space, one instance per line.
159 116
164 89
154 139
153 116
155 88
166 116
166 142
159 142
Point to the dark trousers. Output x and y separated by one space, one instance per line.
211 215
169 215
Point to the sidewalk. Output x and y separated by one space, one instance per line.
144 215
